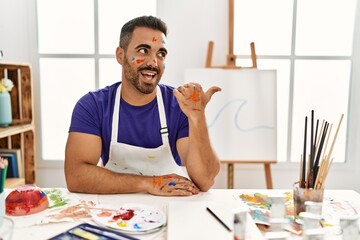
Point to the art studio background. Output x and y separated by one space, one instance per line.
191 25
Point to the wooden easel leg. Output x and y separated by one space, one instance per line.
253 55
230 180
209 54
268 176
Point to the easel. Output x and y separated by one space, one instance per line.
231 64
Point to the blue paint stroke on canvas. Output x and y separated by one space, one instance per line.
242 103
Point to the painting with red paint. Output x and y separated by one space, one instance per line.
130 218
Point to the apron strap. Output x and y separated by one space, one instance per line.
163 129
115 119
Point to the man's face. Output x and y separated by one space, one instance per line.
143 63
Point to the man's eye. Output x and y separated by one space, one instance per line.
162 54
143 50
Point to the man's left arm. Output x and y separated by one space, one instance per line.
195 151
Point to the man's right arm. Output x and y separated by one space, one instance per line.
82 174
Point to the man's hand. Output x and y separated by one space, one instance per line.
172 185
191 97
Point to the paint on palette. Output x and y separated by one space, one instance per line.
122 224
127 215
131 218
104 214
137 226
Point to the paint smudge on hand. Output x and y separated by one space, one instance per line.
157 181
172 184
195 96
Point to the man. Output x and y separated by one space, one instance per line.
143 131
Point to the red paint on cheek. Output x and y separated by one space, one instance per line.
138 61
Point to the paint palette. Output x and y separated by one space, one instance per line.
130 218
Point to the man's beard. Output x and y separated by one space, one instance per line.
133 76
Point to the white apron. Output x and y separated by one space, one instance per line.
125 158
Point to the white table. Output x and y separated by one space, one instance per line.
207 227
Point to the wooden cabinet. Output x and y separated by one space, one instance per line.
21 133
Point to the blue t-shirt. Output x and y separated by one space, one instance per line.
138 125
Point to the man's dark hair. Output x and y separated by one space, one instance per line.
143 21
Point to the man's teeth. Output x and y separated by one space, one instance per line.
149 74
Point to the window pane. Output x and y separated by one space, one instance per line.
282 80
110 72
266 23
322 86
325 27
113 14
62 30
63 82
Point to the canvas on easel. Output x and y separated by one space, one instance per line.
241 118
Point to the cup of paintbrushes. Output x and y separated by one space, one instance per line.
302 195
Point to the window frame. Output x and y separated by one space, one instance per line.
292 57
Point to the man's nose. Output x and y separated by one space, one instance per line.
152 61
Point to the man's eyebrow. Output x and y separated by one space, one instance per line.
163 50
143 46
149 47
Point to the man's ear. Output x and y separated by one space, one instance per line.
120 54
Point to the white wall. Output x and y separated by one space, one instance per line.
191 25
15 30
